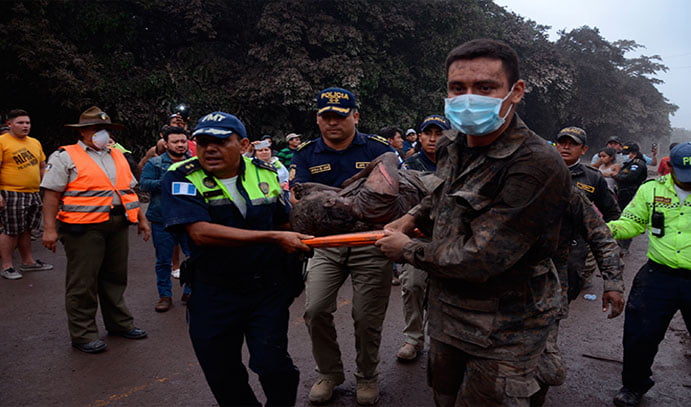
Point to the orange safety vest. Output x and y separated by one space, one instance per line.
89 198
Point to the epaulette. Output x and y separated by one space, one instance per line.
378 138
590 167
303 145
263 164
187 167
653 179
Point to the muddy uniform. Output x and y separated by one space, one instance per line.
494 291
581 263
580 222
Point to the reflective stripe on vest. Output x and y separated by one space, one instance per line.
89 197
261 185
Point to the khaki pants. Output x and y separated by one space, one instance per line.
96 272
413 288
371 273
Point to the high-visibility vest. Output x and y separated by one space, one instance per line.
89 198
257 178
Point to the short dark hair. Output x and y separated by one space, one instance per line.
173 130
14 113
487 48
390 132
609 151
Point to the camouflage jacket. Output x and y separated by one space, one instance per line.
583 223
495 222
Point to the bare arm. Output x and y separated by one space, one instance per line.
51 199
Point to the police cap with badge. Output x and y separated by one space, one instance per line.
338 100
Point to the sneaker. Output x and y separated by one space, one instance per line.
322 391
367 393
395 281
10 274
175 273
38 266
407 352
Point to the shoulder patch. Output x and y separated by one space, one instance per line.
183 188
303 145
378 138
261 164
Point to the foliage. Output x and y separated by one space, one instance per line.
265 61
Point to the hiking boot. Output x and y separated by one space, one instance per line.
163 304
407 352
38 266
367 393
322 391
10 274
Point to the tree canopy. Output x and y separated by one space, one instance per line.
265 61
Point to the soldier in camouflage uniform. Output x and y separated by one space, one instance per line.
495 222
580 222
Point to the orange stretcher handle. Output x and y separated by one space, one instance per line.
349 239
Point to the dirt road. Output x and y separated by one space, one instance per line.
39 368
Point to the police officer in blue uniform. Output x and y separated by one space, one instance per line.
243 270
338 154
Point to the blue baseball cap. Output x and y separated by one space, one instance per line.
680 158
338 100
220 125
436 120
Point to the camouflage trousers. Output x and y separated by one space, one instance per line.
462 380
551 369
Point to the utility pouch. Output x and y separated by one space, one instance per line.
657 224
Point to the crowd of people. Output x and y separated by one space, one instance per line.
502 231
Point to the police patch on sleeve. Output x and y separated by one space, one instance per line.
184 188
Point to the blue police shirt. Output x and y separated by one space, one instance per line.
226 266
314 161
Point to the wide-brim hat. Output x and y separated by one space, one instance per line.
94 116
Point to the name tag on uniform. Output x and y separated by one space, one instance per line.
184 188
320 168
361 164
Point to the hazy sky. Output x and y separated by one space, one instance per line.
662 26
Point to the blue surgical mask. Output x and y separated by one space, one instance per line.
475 114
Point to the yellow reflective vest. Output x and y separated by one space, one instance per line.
673 248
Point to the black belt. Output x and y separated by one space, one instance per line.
117 210
683 273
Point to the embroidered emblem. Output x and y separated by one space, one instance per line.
209 182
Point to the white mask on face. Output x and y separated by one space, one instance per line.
100 139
